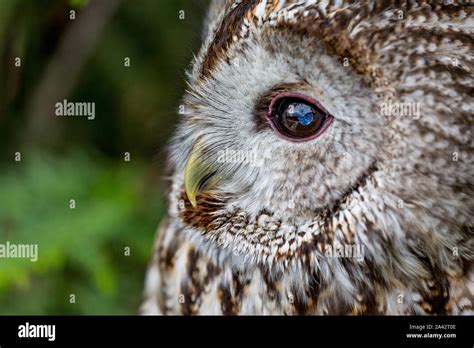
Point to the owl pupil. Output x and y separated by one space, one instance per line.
303 112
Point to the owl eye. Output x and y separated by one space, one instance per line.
297 118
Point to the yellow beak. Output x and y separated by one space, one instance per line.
199 175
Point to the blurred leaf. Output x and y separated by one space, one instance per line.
82 248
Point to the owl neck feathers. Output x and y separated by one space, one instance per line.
263 235
388 249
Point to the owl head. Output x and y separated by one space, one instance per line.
339 120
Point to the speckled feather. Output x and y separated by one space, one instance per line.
400 188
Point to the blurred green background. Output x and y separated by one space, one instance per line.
119 204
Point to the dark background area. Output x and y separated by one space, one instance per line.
83 251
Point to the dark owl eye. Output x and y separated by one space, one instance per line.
297 117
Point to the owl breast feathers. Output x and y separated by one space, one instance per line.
323 163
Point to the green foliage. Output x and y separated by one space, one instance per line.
78 3
81 250
118 204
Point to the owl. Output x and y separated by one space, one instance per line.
323 163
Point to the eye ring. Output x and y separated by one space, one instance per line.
309 122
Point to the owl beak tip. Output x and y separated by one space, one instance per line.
191 193
192 199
